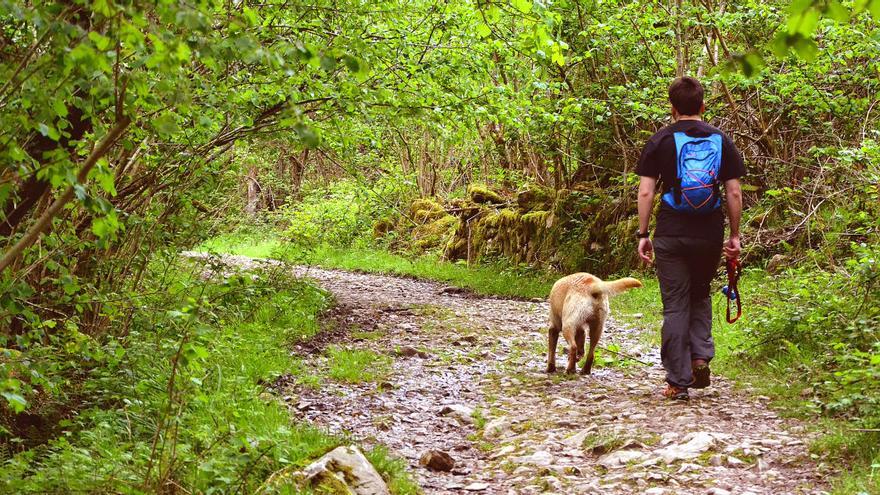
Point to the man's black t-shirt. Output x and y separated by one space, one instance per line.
658 160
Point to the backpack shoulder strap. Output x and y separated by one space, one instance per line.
680 140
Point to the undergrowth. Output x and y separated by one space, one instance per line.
186 405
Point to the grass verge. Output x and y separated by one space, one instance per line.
185 406
485 279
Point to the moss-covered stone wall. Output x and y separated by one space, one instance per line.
569 230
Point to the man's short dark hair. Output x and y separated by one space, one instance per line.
686 95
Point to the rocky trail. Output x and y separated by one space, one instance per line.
467 394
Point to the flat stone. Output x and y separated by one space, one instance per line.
577 440
540 458
503 451
694 444
477 487
621 458
496 428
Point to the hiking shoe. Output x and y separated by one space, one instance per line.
675 393
701 374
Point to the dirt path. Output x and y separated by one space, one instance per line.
531 432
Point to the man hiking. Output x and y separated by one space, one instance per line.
692 160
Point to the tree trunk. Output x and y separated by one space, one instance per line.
253 192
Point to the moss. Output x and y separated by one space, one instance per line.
456 248
435 234
425 210
382 227
481 194
534 197
535 221
463 208
504 218
331 484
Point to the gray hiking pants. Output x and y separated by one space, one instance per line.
685 268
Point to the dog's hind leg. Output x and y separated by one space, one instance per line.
571 340
552 340
595 332
580 338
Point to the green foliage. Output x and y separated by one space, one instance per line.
187 402
827 324
342 214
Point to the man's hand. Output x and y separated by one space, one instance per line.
646 250
731 248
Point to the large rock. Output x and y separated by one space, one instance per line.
693 446
344 470
463 414
437 460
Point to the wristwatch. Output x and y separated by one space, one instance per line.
643 235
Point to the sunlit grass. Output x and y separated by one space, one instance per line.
483 279
357 365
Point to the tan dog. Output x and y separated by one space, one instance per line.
579 301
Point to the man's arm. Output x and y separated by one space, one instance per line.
733 193
647 188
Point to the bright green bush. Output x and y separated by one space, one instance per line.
825 324
339 214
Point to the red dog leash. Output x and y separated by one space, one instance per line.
731 290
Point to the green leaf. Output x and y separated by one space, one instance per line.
750 64
835 10
799 6
307 134
49 131
557 57
101 227
524 6
106 181
15 401
328 63
804 23
352 63
183 53
483 30
165 124
806 49
101 42
251 16
60 107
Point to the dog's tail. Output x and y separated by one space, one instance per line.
614 287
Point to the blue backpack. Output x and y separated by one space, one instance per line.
696 188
